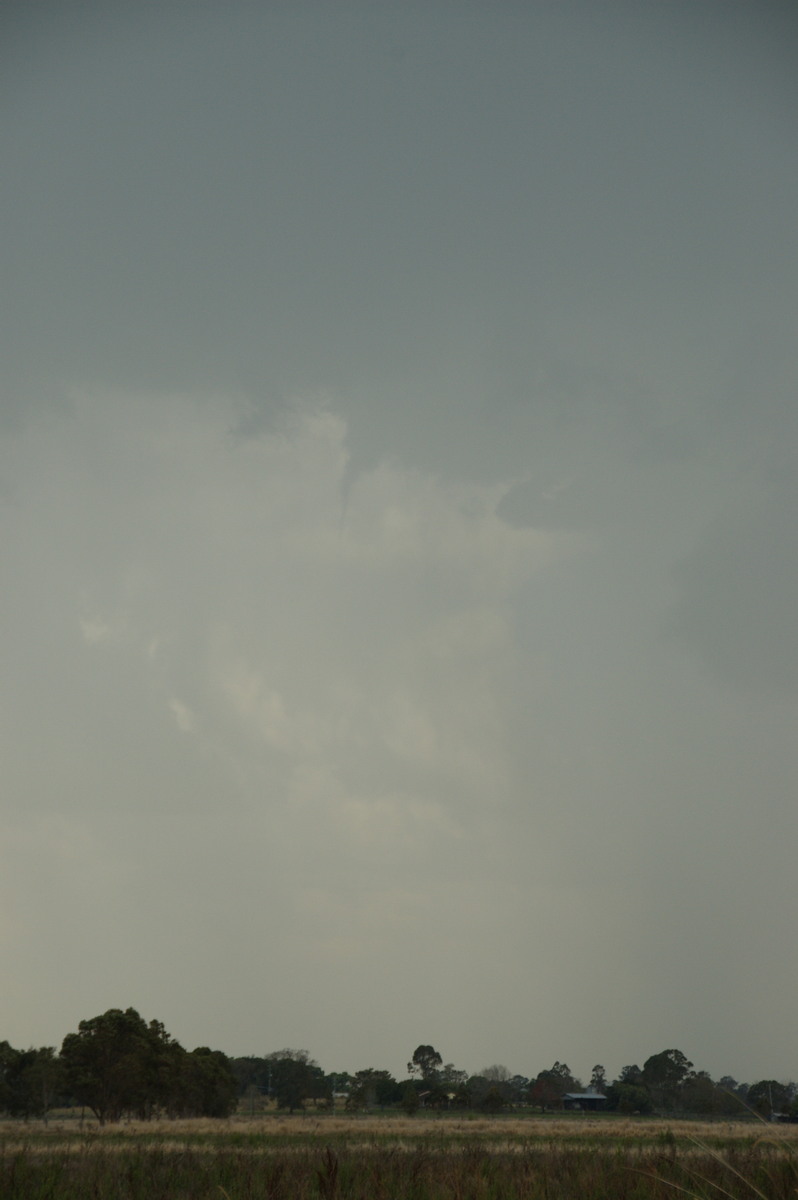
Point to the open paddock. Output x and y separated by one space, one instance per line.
398 1158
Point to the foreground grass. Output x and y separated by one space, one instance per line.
398 1159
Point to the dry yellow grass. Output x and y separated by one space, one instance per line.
378 1131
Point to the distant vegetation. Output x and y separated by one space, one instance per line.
118 1065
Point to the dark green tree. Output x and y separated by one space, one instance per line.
700 1094
548 1089
493 1101
498 1079
628 1098
30 1081
372 1088
664 1075
338 1086
477 1088
251 1072
769 1096
631 1075
295 1078
425 1064
116 1063
519 1088
732 1096
41 1080
410 1100
455 1085
452 1077
106 1062
205 1085
9 1067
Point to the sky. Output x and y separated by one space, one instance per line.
398 516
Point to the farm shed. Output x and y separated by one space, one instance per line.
584 1101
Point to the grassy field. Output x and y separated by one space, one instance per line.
393 1158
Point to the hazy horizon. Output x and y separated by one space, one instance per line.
398 508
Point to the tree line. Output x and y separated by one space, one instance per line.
117 1065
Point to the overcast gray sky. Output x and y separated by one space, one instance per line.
398 517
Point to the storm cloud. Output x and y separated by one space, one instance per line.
398 510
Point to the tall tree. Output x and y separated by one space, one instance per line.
497 1080
372 1087
205 1084
769 1096
116 1063
29 1080
631 1075
628 1098
598 1079
454 1084
700 1094
104 1062
295 1078
548 1089
664 1075
9 1065
425 1064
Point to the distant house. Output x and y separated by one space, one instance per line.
584 1101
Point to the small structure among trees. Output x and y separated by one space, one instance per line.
118 1065
584 1101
